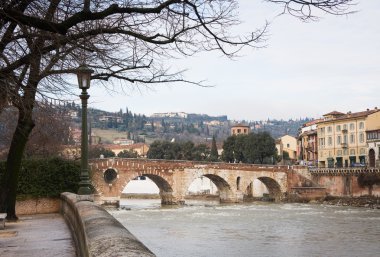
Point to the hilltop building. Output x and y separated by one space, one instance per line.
240 129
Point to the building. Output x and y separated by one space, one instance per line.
140 148
123 141
342 140
307 144
287 144
373 139
240 129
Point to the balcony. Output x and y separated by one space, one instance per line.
343 145
344 131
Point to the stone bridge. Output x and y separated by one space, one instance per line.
173 178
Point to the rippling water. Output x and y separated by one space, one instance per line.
258 229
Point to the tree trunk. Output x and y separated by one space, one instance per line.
25 125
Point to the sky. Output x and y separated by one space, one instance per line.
303 70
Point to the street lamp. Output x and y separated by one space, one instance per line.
84 78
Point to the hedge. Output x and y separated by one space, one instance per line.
46 177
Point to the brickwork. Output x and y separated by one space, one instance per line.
173 178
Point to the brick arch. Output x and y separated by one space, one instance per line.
224 188
127 171
274 188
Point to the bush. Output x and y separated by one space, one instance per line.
46 177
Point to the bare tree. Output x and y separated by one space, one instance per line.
124 41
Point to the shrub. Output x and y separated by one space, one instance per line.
46 177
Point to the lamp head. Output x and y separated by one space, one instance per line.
84 76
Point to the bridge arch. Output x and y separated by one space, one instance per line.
166 191
226 193
272 186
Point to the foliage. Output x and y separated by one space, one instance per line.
368 179
228 149
214 151
127 154
252 148
178 151
96 151
46 177
285 155
51 131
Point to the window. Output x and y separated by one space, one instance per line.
352 151
345 126
362 150
339 153
288 145
352 139
329 129
329 140
345 152
339 140
345 139
321 142
338 128
361 125
361 137
352 126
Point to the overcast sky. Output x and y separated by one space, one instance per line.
305 70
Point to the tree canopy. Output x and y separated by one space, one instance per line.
178 151
252 148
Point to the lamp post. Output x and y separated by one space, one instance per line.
84 78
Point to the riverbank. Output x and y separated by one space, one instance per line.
362 201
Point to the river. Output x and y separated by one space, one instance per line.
255 229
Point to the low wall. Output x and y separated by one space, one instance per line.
344 185
96 233
37 206
306 193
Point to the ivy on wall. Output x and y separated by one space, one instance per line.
46 177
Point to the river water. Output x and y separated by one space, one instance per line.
255 229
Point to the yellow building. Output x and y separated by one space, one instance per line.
240 129
342 139
373 139
287 144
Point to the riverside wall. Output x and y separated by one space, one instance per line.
96 232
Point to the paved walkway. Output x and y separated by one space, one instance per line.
42 235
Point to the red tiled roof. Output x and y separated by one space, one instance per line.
353 115
333 113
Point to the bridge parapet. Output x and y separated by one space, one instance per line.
183 164
343 171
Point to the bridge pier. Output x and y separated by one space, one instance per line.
231 197
167 198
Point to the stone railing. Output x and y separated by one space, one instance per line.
96 232
343 171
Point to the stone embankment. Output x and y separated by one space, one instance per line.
363 201
96 232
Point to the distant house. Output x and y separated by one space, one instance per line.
287 144
240 129
140 148
123 141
